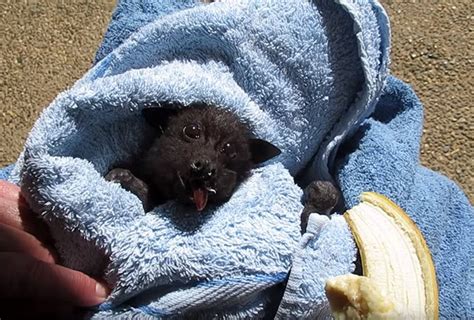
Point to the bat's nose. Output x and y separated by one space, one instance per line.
203 168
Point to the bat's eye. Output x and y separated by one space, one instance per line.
192 131
229 149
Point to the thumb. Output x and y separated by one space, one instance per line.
24 277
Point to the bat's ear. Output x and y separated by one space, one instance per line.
262 150
159 116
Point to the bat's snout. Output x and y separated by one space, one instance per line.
203 169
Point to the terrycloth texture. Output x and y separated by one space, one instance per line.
383 157
6 171
321 253
130 15
287 69
296 72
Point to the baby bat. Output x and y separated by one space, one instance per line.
199 155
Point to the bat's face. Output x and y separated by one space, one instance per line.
202 154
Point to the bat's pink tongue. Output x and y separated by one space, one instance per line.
200 198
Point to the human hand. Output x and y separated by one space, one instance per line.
31 280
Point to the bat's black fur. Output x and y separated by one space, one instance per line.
204 152
200 154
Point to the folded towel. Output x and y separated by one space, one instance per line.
305 76
383 156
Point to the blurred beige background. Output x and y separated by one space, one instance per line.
46 45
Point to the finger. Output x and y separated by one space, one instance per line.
15 212
10 200
9 190
24 277
14 240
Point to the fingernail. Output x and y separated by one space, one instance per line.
101 291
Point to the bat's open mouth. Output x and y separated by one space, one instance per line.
200 197
198 191
200 194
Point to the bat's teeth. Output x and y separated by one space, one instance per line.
181 179
211 190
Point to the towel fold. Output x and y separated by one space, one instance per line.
304 76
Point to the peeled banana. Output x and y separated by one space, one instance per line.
399 279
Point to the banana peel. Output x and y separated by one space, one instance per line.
399 279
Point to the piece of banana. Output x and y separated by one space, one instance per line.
399 279
358 297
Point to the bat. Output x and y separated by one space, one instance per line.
200 154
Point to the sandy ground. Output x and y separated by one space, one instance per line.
46 45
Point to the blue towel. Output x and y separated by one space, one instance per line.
6 172
305 76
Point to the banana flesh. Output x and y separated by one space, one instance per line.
399 279
358 297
